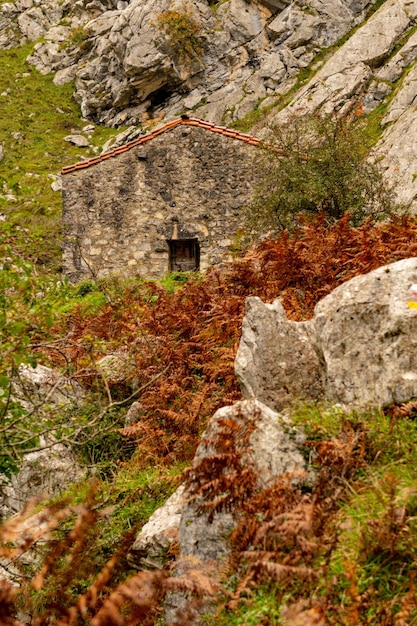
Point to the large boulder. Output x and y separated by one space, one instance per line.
276 362
366 333
359 349
268 444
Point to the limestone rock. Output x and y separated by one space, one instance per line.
349 69
46 385
117 367
272 450
78 140
1 153
37 20
45 474
367 334
134 413
404 98
276 362
406 55
361 343
65 75
156 537
398 150
56 184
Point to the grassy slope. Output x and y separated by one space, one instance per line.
42 114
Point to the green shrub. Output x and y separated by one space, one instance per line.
318 164
183 31
77 37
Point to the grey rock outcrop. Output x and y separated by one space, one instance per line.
361 342
353 69
126 69
270 354
272 450
134 68
398 150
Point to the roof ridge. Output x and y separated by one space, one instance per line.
184 119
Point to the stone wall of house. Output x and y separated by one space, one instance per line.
120 213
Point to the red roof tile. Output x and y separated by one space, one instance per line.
185 120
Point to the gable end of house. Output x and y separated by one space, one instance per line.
170 200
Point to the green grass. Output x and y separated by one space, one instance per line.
43 114
262 607
131 498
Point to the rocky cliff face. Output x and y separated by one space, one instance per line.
127 69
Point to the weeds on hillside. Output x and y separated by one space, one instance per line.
184 343
183 30
305 544
339 549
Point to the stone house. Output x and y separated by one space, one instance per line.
167 201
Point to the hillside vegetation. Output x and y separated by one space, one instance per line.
35 117
339 551
357 561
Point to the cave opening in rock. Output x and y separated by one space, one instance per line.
159 96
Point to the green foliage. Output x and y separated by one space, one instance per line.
183 31
260 607
175 280
100 449
76 37
24 310
318 164
29 305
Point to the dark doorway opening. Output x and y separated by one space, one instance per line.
184 255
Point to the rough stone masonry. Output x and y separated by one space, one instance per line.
172 202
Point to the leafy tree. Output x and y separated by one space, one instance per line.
315 164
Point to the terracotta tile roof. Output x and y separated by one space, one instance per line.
184 120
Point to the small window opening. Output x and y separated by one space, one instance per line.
184 255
